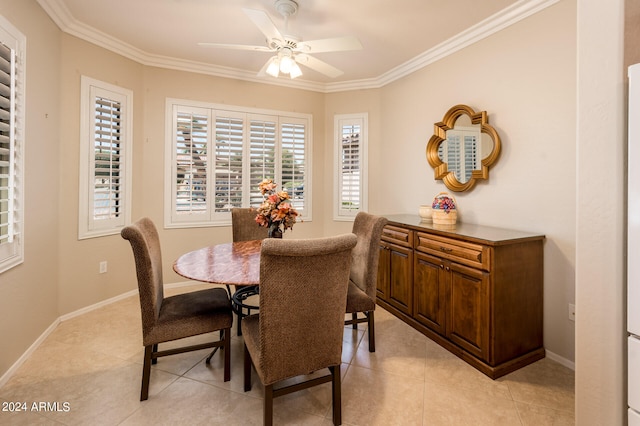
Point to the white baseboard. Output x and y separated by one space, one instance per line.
561 360
98 305
120 297
12 370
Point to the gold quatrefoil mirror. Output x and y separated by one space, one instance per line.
462 148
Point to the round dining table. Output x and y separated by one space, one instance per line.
236 264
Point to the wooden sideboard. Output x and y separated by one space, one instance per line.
475 290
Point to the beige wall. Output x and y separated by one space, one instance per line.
525 80
29 292
601 396
631 33
80 284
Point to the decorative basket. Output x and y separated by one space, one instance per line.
442 216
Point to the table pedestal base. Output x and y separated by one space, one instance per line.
239 302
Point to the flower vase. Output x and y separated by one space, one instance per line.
275 233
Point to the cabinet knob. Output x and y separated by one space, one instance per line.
441 266
447 268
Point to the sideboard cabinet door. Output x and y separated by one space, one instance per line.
384 274
469 304
401 279
429 279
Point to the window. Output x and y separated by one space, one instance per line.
350 150
217 155
105 158
12 98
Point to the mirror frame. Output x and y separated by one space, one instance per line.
448 122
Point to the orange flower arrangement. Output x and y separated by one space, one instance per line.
275 212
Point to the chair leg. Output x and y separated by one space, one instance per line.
213 352
336 393
227 354
372 332
267 419
247 369
154 361
354 317
146 373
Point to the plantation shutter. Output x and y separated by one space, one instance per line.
106 120
12 110
228 161
107 167
219 156
470 155
293 174
191 162
451 151
350 162
350 179
262 155
8 227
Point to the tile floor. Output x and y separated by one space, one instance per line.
91 366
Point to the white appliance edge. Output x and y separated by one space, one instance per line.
633 248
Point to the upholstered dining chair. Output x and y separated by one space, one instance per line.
303 290
364 272
245 228
165 319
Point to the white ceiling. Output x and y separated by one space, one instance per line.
398 36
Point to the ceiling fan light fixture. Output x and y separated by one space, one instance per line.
295 71
289 50
273 69
286 63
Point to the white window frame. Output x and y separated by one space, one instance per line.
88 225
340 122
211 217
12 242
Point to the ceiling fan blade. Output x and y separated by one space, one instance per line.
318 65
264 24
237 47
336 44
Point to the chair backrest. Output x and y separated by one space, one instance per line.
303 292
145 244
364 267
244 226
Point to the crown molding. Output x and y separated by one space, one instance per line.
493 24
60 14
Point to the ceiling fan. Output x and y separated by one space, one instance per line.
290 51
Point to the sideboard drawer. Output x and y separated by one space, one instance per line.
400 236
474 255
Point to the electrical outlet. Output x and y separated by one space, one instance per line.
572 312
103 267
